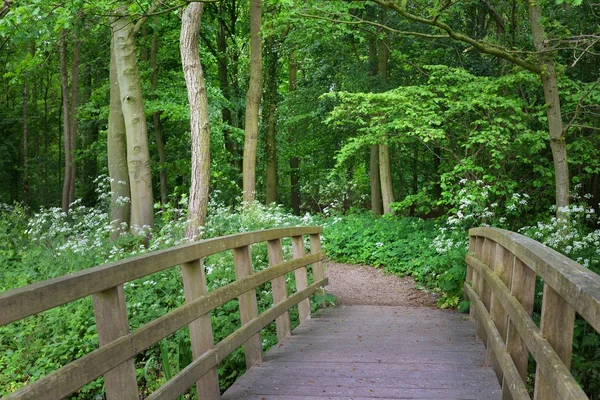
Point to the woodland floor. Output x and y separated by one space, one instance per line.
365 285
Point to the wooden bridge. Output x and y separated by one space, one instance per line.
360 352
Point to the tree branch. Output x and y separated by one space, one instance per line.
479 45
5 7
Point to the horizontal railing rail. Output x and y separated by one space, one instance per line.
501 275
118 346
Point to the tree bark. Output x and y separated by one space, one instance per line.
555 124
138 158
387 190
160 146
294 161
199 120
375 180
25 147
253 103
73 114
64 84
116 142
270 104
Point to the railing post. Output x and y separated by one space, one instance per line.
471 277
523 288
201 335
111 321
503 267
317 268
279 289
248 305
301 277
479 286
557 324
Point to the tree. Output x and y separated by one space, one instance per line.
138 157
253 97
199 119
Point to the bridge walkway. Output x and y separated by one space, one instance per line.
372 352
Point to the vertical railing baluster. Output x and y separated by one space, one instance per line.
248 305
479 286
201 335
279 288
471 276
301 277
523 288
315 248
111 322
557 324
503 269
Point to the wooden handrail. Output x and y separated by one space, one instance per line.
114 357
501 272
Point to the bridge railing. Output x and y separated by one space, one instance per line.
501 275
118 346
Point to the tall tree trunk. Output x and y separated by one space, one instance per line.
90 136
64 84
385 173
270 105
73 114
555 124
294 161
25 147
199 121
138 158
160 146
116 142
230 144
253 102
375 180
387 191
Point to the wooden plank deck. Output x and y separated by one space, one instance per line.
370 352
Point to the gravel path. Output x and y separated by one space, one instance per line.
364 285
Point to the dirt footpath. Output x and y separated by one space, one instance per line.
364 285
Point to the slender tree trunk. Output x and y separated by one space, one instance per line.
132 104
90 136
375 180
270 104
64 84
385 173
199 121
25 152
387 191
73 114
253 102
555 124
226 114
45 159
120 209
294 161
160 146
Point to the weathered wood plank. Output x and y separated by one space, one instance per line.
578 286
301 277
201 334
186 378
71 377
248 305
557 324
282 322
19 303
315 247
523 289
506 365
374 362
563 383
110 310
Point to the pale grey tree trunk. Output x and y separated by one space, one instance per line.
116 143
138 158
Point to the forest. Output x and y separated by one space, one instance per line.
128 127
